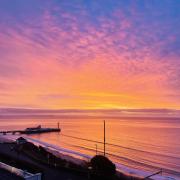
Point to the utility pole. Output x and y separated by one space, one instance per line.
48 157
104 138
96 148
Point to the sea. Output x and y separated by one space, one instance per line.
138 146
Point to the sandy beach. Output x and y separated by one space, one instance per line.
34 163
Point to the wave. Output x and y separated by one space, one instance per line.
123 147
137 164
120 167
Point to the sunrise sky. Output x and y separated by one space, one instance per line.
90 54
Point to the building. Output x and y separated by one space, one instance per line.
21 140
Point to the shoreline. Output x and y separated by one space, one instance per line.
79 158
31 155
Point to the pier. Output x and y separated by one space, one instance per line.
33 130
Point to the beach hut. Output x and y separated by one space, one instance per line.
21 140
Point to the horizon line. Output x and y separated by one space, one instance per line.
90 109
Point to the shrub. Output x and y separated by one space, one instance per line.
101 165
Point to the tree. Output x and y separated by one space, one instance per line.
101 165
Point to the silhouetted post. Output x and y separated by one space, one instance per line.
58 125
89 172
104 138
96 148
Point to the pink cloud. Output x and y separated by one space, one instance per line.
55 54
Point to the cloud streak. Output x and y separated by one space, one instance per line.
125 54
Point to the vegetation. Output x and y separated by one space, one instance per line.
37 159
102 166
40 154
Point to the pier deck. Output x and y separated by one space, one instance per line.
36 131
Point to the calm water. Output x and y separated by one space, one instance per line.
146 144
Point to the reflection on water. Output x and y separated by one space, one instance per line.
145 143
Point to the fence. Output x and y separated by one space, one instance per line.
21 173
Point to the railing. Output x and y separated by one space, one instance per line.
21 173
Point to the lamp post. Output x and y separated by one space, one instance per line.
104 138
58 125
96 148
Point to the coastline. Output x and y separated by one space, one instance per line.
79 158
69 166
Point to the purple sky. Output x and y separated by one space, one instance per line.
90 54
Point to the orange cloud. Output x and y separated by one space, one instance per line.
60 60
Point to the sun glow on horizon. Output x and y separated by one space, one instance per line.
65 55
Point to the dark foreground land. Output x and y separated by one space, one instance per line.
37 160
24 162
